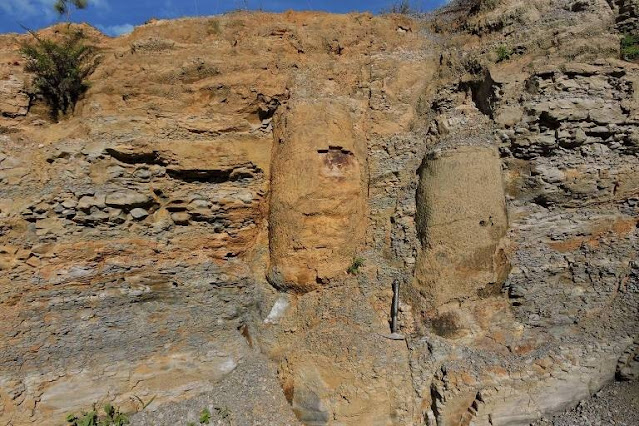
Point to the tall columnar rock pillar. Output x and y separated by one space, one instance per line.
318 198
461 217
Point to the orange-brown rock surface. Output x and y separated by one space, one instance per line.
318 195
193 234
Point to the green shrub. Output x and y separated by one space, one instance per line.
112 417
503 53
205 416
630 47
358 262
402 7
63 8
61 69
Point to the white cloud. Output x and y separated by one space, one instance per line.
100 4
21 9
115 30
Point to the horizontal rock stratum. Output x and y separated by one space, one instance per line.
220 220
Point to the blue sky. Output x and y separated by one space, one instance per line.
119 16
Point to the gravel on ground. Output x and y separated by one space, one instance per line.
616 404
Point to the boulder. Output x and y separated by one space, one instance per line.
128 200
139 213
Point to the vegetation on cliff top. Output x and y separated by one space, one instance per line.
60 69
63 7
403 7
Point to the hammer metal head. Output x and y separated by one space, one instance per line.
394 336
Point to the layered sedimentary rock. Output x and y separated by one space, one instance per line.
135 236
194 226
14 97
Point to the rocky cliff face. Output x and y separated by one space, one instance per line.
187 234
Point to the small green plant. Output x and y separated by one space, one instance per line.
504 53
630 47
223 412
205 416
85 419
112 417
61 69
358 262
